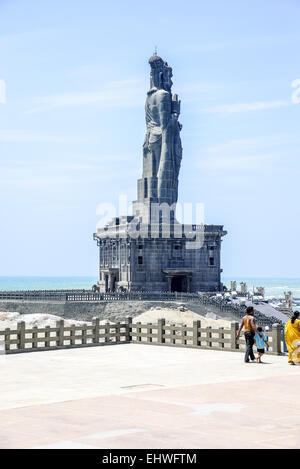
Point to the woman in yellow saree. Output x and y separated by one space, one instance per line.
292 338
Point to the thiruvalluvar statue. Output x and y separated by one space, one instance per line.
162 146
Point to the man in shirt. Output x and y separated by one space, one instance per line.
250 329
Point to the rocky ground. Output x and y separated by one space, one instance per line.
181 315
173 314
10 319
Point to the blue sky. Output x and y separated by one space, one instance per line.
72 127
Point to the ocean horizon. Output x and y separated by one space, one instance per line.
275 287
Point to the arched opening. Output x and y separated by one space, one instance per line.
113 283
106 283
179 284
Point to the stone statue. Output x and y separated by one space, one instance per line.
162 146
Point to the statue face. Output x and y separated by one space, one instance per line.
161 77
167 75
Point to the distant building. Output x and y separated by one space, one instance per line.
260 291
288 296
150 250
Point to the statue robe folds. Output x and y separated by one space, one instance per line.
162 146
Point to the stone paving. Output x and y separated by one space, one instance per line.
143 396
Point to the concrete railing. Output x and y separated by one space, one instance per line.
40 295
133 296
89 295
224 308
62 336
194 336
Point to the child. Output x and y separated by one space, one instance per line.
260 344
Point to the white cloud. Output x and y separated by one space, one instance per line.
247 107
235 146
240 43
296 93
61 172
253 154
192 90
26 136
126 93
235 163
2 92
30 179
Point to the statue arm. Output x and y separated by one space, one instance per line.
164 108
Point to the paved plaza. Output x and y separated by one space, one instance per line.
144 396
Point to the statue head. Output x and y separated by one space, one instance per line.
161 73
167 77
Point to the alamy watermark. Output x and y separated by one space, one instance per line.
296 93
157 220
2 92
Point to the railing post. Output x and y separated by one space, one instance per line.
72 335
117 330
285 349
107 332
21 335
276 339
138 332
34 337
173 334
183 334
84 332
221 336
196 327
60 333
160 331
149 332
2 345
7 340
208 336
234 329
96 324
128 329
47 335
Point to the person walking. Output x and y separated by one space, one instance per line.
250 329
292 338
260 344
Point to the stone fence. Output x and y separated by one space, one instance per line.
63 337
220 305
89 296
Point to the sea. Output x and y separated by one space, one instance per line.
274 287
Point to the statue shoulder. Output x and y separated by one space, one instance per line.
162 99
163 94
152 91
158 92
